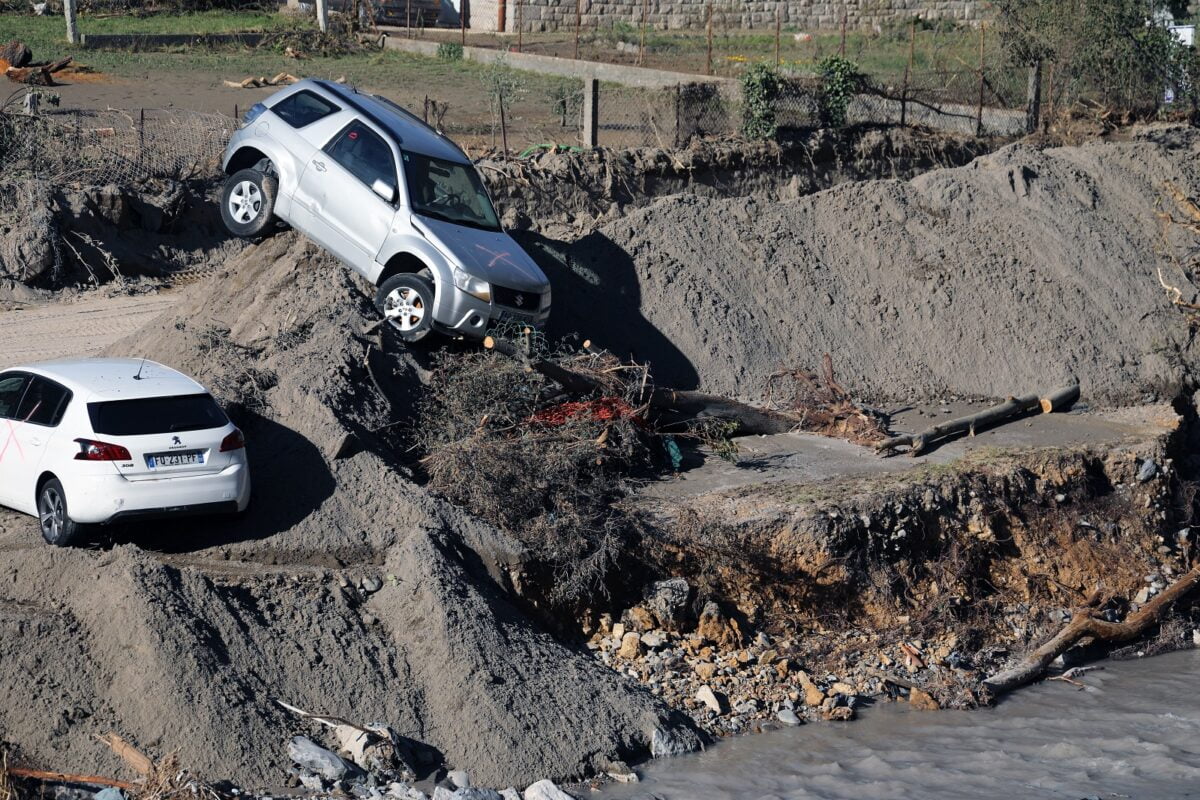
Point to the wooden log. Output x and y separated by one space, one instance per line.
136 759
1083 625
68 777
1011 408
1060 398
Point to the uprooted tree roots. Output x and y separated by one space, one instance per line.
545 445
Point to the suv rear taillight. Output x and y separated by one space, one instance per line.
100 451
233 441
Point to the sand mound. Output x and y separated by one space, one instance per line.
188 658
1017 272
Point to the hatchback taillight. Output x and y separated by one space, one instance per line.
233 441
100 451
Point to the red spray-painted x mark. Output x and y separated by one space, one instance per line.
12 439
496 256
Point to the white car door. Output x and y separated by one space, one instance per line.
38 415
12 460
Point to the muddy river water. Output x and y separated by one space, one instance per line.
1132 733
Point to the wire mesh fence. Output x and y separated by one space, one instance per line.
111 147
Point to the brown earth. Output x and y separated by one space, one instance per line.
180 637
1020 271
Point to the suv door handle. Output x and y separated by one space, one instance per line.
35 441
320 165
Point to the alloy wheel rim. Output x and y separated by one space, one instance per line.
245 202
50 512
405 308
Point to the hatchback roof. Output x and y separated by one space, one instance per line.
410 131
115 378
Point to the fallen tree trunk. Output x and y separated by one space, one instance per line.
749 420
1010 408
1084 625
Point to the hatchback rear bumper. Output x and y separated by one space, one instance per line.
103 498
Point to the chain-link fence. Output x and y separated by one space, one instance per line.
111 147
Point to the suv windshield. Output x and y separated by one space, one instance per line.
448 191
188 412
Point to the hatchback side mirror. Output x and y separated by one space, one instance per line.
384 189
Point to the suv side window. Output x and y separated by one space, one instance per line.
364 154
12 386
44 402
303 108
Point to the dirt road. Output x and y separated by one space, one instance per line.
82 328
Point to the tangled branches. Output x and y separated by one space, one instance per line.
512 447
822 405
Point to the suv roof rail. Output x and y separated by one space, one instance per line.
350 95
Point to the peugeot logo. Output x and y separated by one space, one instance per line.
176 440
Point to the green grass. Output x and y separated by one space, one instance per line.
46 36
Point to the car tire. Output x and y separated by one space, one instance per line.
248 203
54 520
406 302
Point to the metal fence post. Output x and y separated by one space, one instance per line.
322 16
1033 97
591 112
578 25
708 25
912 46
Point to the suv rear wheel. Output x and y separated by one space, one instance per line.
406 302
56 524
248 202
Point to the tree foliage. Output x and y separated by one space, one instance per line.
1119 53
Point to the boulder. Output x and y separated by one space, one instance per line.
314 758
17 54
717 628
546 790
669 601
631 646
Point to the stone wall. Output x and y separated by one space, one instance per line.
803 15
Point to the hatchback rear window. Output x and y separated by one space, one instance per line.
190 412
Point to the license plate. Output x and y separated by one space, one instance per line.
158 460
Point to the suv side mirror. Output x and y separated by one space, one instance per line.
384 189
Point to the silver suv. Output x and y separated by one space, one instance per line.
389 196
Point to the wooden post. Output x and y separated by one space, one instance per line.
408 18
642 42
1049 118
912 46
708 58
462 20
591 112
502 16
842 49
69 13
778 32
578 23
520 26
1033 97
982 78
503 123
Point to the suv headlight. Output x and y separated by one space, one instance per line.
546 298
476 287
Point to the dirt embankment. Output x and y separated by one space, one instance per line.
1024 269
552 190
186 651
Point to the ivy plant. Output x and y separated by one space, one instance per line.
761 85
840 80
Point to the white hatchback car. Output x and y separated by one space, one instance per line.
94 440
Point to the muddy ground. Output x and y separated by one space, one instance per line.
351 590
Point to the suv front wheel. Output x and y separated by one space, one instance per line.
406 302
248 202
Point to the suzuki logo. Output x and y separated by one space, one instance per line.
519 300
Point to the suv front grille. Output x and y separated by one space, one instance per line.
522 301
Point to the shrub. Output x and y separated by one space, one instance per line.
450 51
840 81
760 89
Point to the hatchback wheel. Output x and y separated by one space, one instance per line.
53 518
248 202
406 302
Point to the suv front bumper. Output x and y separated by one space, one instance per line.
466 315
